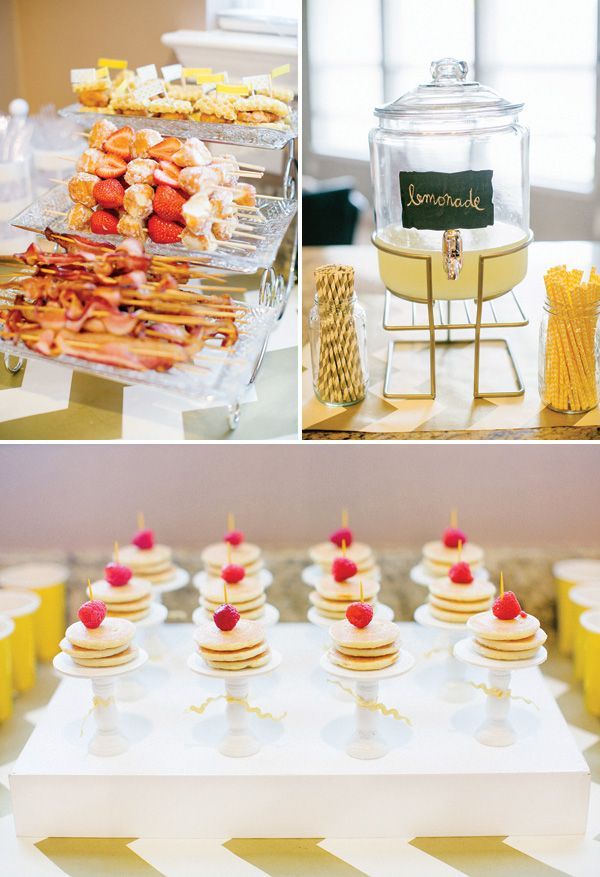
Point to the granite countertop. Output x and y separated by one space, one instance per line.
527 571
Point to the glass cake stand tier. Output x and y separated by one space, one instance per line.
276 213
258 136
216 375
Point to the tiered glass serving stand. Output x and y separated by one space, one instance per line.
218 376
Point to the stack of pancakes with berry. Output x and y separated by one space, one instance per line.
507 632
98 641
362 643
442 554
335 592
324 553
458 597
148 560
230 642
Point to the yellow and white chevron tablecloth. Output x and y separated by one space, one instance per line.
314 857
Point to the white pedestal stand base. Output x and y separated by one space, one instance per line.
238 741
179 580
454 688
270 617
419 576
108 739
265 577
131 687
365 743
313 573
496 729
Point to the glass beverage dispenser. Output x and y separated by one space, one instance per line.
450 170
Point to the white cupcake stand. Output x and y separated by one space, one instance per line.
108 739
366 743
238 741
311 575
419 576
454 689
496 729
131 687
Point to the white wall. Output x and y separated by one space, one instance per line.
76 496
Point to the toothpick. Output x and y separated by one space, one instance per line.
343 547
140 520
89 589
453 518
459 550
229 552
345 518
116 552
225 597
362 596
502 584
230 522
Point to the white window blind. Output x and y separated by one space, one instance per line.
543 52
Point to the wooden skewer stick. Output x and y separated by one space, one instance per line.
245 234
252 167
251 175
59 182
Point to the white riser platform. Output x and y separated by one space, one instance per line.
436 780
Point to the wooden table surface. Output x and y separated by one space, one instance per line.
454 414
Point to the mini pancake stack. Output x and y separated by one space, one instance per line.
154 563
241 553
324 553
439 556
331 598
506 633
459 596
147 560
131 601
238 648
107 645
248 596
372 647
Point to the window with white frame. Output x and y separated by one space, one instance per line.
543 52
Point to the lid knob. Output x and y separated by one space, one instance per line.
449 70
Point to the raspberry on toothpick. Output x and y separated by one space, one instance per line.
232 537
92 613
115 573
343 569
506 607
344 534
226 616
143 539
360 614
452 536
232 573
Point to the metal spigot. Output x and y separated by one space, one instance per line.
452 253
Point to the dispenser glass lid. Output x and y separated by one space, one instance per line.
448 96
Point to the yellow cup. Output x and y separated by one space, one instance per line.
581 598
7 627
590 621
567 573
21 606
48 581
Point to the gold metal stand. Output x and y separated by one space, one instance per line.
436 322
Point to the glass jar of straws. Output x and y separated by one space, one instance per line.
570 342
338 338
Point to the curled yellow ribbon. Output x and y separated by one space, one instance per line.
437 650
372 705
502 693
96 702
242 701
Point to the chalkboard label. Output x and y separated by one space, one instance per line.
441 201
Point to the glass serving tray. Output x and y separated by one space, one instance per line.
276 213
216 375
259 136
